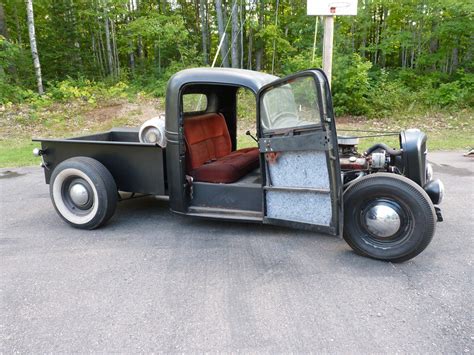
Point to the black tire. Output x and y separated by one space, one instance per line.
95 188
416 217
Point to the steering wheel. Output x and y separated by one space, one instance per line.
280 118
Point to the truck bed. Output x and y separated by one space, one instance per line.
136 167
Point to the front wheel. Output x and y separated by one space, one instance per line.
388 217
83 192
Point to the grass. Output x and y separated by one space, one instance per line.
18 152
18 124
440 140
445 131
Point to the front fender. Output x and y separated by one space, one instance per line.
413 159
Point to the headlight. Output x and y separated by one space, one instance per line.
435 190
429 172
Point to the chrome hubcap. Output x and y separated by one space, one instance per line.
382 220
79 194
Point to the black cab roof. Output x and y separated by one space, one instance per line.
201 77
252 80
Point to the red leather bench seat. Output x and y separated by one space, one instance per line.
209 155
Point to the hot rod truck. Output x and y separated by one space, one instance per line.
300 174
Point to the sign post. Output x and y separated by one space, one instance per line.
329 9
327 46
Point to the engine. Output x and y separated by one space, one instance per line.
409 161
379 157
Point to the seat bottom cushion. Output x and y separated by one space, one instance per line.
229 168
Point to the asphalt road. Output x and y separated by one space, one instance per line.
154 281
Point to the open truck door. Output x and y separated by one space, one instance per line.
299 152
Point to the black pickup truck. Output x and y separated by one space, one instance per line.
299 174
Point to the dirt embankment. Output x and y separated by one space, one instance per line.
74 118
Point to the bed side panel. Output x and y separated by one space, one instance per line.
135 168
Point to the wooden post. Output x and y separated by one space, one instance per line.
327 46
274 40
314 40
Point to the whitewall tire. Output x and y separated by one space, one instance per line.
83 192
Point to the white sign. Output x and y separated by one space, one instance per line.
332 7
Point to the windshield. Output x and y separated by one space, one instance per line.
290 105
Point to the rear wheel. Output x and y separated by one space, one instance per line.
388 217
83 192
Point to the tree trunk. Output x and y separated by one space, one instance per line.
261 19
353 34
115 50
196 17
241 35
377 23
34 49
383 29
102 54
3 32
162 6
454 60
249 50
131 57
97 58
221 29
108 44
140 48
204 35
404 57
235 36
18 28
75 36
364 43
159 55
3 23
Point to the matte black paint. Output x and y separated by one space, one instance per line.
136 167
413 162
247 197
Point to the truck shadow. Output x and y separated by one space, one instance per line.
150 218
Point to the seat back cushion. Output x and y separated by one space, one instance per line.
207 139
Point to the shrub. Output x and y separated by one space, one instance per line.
387 94
350 85
10 93
455 94
295 63
86 90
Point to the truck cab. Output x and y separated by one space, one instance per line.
294 127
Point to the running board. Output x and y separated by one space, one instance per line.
225 213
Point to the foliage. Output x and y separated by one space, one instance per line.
8 52
351 85
387 94
456 94
392 56
70 89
